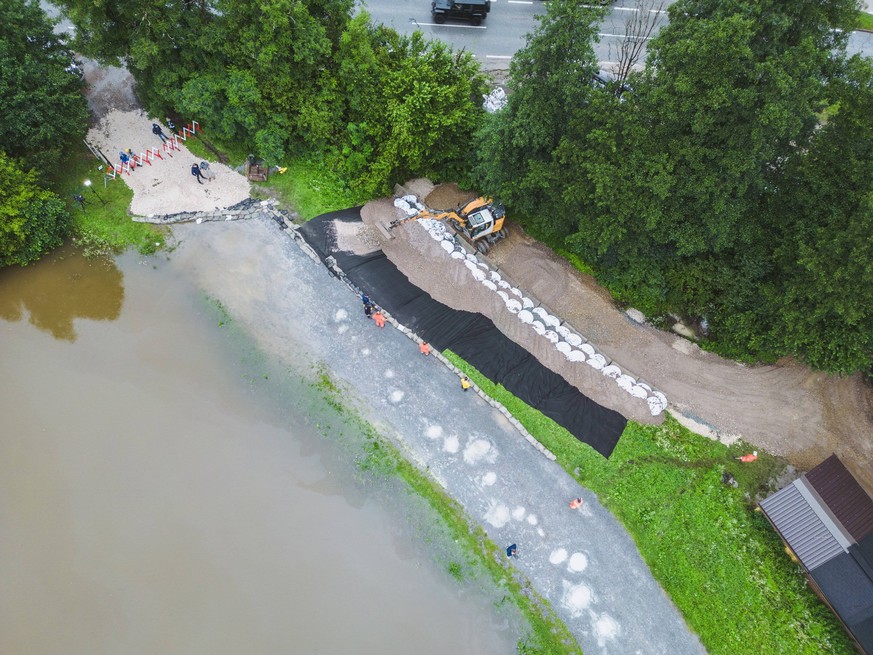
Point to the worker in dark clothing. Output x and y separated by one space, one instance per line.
157 131
195 171
170 124
512 551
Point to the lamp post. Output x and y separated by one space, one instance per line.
87 183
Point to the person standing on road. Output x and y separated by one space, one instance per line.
379 318
465 383
158 132
576 503
512 550
195 171
424 348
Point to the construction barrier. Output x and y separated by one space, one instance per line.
150 154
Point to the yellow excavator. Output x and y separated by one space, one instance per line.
479 222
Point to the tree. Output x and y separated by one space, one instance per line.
413 106
823 215
550 89
32 220
42 108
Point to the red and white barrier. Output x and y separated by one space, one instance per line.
158 152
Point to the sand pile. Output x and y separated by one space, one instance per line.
464 284
167 186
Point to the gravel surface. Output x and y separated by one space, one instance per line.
167 186
582 561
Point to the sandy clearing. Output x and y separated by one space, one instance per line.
167 186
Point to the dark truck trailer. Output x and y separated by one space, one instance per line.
473 10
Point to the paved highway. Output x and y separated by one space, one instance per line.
503 32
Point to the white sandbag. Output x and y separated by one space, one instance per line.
411 199
448 246
516 292
552 336
503 295
563 330
626 382
488 284
472 258
525 316
457 255
503 284
637 391
588 348
471 265
527 303
596 361
478 274
513 306
563 347
657 403
495 276
400 203
574 339
538 327
611 371
576 356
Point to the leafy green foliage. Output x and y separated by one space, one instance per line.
716 557
42 108
33 220
702 189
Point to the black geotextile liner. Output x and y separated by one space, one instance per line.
472 336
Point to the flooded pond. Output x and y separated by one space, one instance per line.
162 490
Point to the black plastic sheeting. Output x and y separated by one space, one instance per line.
472 336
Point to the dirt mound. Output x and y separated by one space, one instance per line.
447 196
786 408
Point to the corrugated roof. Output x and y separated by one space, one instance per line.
801 527
844 496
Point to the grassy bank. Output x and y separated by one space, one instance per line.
865 21
548 635
103 226
714 555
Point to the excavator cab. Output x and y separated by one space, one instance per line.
482 217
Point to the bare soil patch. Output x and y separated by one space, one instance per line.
786 408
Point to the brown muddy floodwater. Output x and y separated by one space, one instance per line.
158 495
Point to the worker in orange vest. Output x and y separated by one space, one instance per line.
379 318
576 503
465 383
751 457
424 348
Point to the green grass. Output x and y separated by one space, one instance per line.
548 635
865 21
311 188
715 556
308 186
103 229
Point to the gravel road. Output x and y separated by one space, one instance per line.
582 561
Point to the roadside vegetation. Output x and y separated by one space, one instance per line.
690 507
865 21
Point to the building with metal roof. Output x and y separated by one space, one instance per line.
825 518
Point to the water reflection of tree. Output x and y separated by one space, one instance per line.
60 288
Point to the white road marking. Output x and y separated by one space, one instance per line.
622 36
469 27
498 56
520 2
